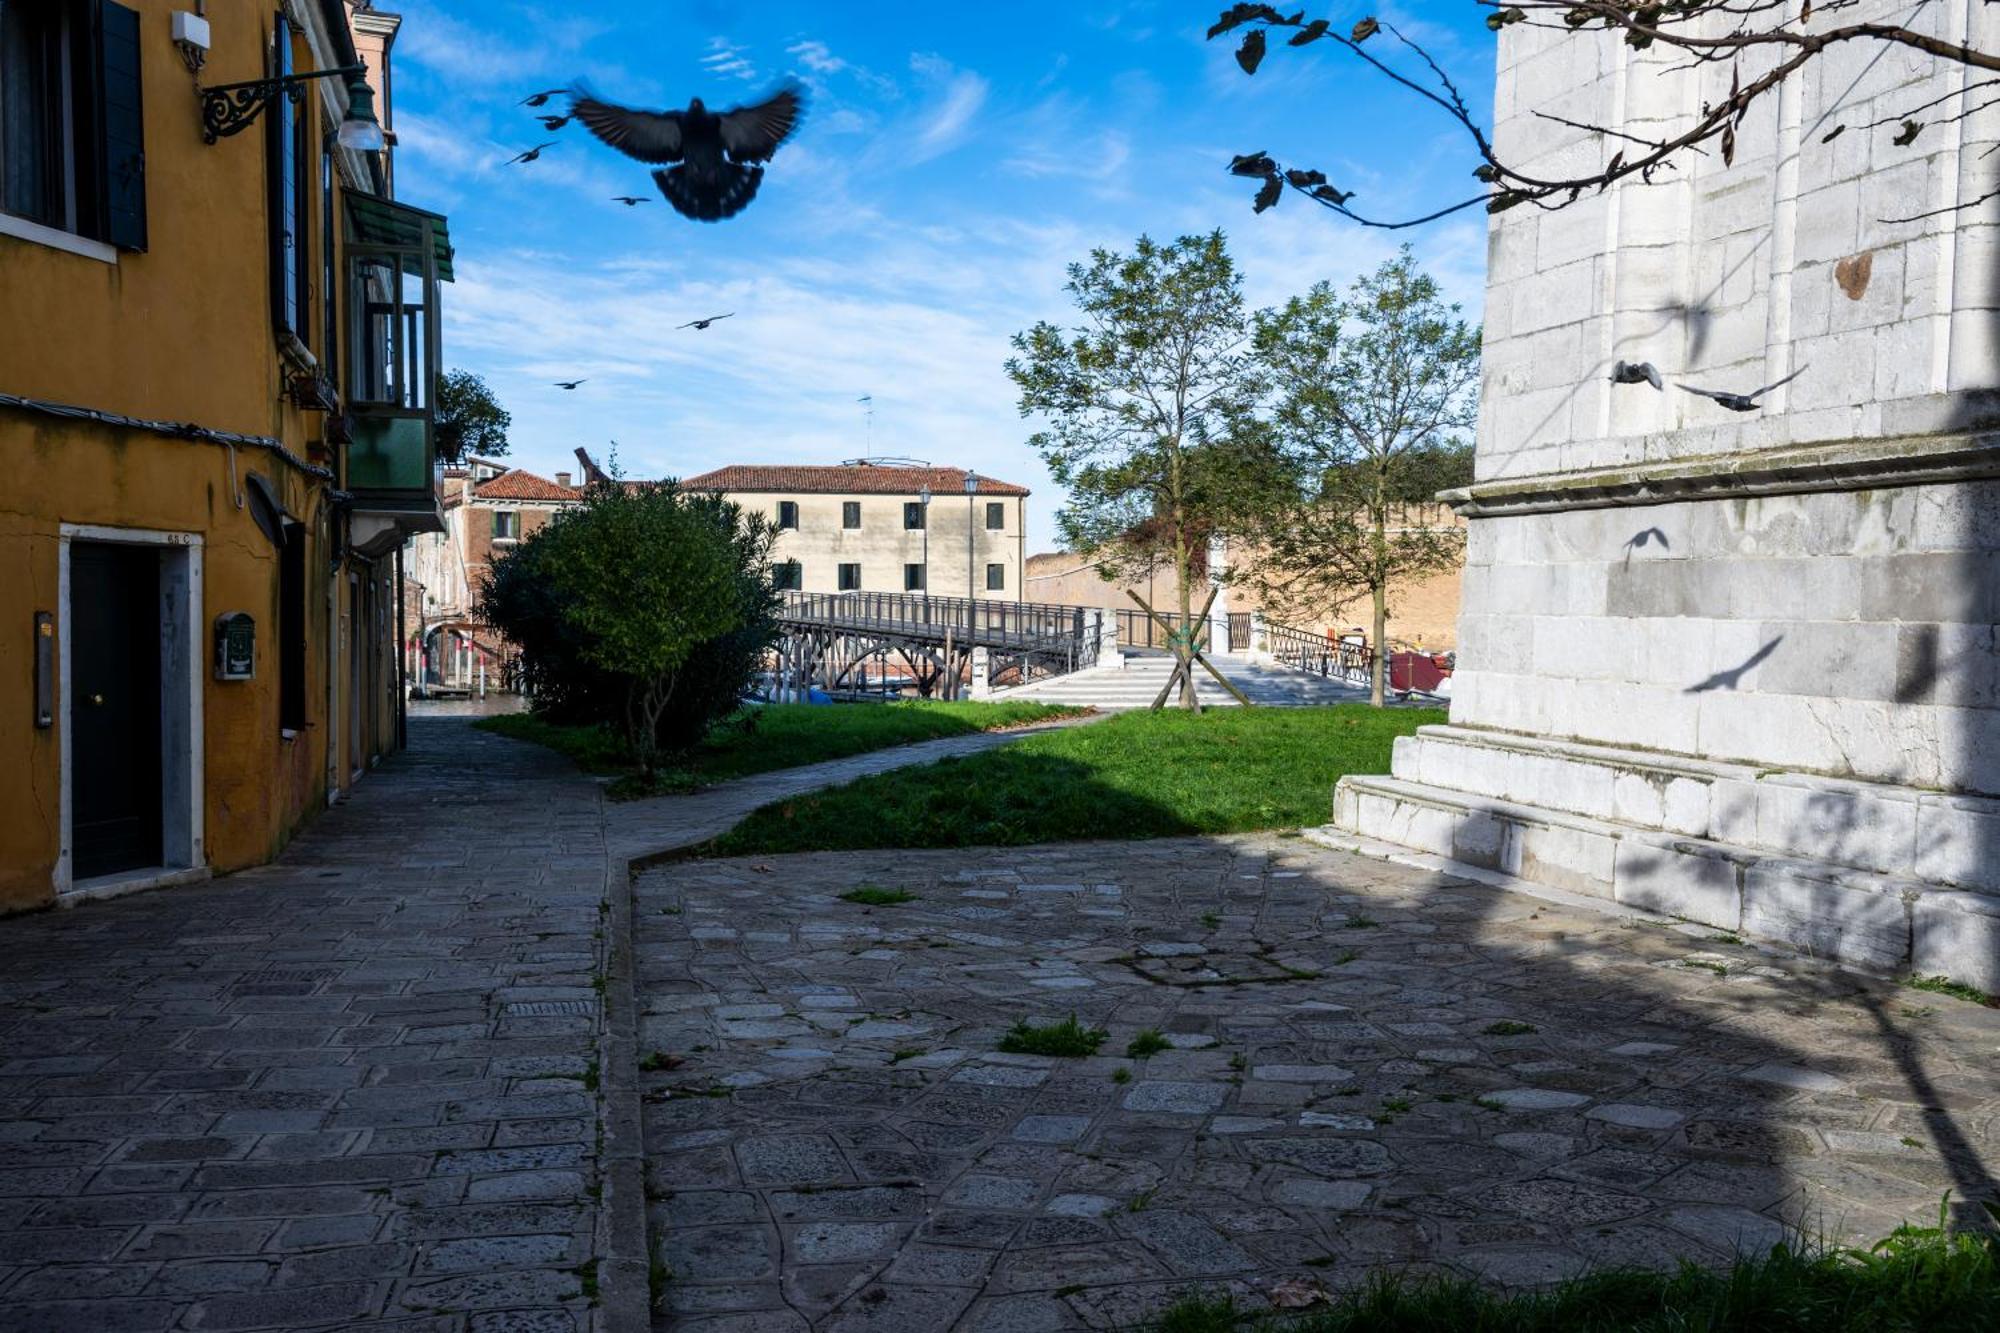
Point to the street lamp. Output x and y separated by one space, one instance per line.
230 108
971 489
924 498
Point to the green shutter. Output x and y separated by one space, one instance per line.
282 120
122 124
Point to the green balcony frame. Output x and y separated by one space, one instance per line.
395 257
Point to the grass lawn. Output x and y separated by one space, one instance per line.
1919 1279
775 736
1137 775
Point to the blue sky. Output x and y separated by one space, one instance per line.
953 159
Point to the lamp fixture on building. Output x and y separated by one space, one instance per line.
971 489
230 108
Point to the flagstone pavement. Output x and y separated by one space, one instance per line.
1364 1065
396 1079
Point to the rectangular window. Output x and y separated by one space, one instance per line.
913 515
72 144
996 578
996 515
788 576
788 513
506 525
850 578
913 578
850 513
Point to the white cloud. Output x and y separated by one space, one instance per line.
817 57
944 123
726 59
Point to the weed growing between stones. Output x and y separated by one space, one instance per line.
1121 1075
1148 1042
874 895
1958 990
1067 1038
1915 1278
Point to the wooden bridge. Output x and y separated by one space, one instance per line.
831 640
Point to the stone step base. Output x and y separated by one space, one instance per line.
1859 918
1897 831
1136 683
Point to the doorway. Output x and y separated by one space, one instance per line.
116 820
131 751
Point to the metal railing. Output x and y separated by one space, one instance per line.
1136 629
1314 652
994 624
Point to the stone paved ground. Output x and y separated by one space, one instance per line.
353 1087
1368 1065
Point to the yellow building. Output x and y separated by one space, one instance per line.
218 337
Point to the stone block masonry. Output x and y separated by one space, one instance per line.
1738 667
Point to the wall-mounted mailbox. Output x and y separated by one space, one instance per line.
235 646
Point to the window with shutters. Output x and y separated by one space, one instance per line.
850 578
996 578
788 513
290 206
72 150
506 525
913 578
996 515
788 576
292 630
850 513
913 515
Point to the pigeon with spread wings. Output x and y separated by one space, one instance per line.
715 175
1743 402
699 324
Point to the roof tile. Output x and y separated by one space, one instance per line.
845 479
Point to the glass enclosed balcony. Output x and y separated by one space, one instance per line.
396 256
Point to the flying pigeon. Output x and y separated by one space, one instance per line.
704 323
1743 402
713 180
570 384
554 122
530 155
1636 372
629 200
542 98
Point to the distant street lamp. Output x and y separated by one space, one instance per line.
971 489
924 498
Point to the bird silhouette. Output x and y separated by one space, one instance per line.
704 323
530 155
570 384
1635 372
542 98
554 122
714 178
629 200
1743 402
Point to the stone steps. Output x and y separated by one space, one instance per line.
1136 683
1860 918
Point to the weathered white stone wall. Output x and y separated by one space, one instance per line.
1848 631
1726 275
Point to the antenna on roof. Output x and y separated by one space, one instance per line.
867 401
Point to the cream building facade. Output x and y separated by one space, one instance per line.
874 527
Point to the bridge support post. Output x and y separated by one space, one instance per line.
1107 640
982 680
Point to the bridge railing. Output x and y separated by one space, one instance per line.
968 619
1136 629
1314 652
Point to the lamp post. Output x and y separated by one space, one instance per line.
971 490
230 108
924 499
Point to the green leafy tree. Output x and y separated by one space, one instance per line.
1371 394
1143 398
643 609
468 418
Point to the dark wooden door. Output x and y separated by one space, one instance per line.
114 708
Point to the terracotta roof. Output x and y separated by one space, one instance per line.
845 479
519 485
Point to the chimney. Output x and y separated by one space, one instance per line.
562 479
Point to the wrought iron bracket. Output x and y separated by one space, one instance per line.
230 108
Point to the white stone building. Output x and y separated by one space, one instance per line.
1738 667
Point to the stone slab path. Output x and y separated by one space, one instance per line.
360 1086
1364 1064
